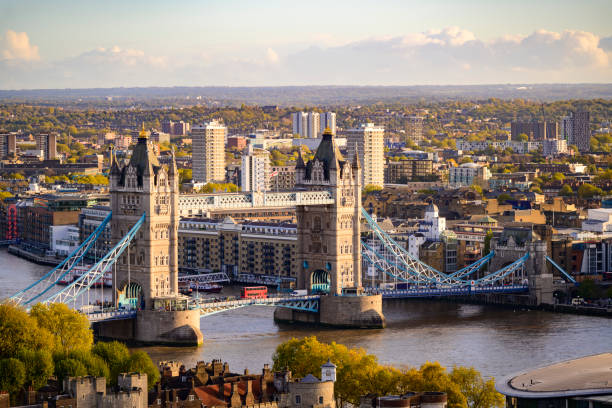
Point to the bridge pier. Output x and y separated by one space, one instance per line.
346 311
159 327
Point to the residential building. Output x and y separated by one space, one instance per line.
307 124
599 220
404 171
414 129
369 141
159 137
47 142
467 174
63 239
176 128
554 147
208 152
255 170
259 248
8 144
282 178
236 143
534 130
328 121
575 128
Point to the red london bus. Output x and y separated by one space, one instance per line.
254 292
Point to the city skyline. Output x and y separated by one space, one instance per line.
71 45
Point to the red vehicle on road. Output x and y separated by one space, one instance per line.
254 292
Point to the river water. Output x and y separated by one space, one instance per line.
496 341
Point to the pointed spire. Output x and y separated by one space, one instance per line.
300 161
356 164
114 165
143 133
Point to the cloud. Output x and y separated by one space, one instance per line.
16 46
450 55
271 56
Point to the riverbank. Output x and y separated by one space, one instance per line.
40 260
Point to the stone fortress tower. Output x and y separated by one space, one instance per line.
329 241
147 272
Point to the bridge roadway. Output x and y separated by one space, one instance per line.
310 303
199 204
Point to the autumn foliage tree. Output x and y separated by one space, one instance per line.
359 373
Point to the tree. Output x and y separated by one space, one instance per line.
588 289
140 362
558 176
466 159
70 328
20 332
476 188
523 137
566 190
39 367
115 355
487 242
589 191
12 376
503 197
69 367
371 188
478 392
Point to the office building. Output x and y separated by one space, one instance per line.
282 178
255 170
8 144
534 130
306 124
414 129
369 140
208 155
47 142
328 120
403 171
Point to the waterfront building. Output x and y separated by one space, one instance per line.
581 382
260 248
367 141
430 228
467 174
255 170
208 156
282 178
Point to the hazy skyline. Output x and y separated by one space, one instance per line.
198 43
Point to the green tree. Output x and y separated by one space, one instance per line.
476 188
589 191
69 367
12 376
558 176
487 242
115 355
39 367
466 159
70 328
140 362
588 289
503 197
566 190
523 137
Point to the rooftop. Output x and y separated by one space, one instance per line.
584 376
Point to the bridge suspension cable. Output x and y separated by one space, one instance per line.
53 278
96 272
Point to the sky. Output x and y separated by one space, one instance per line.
91 43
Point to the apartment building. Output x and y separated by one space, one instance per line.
208 140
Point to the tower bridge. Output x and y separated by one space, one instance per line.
145 210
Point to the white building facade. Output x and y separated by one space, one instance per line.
255 170
468 173
370 143
208 156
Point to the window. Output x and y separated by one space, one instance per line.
298 399
320 399
191 397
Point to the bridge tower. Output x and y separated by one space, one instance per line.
329 242
147 273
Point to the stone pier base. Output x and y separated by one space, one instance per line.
155 327
357 312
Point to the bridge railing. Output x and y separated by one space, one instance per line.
246 302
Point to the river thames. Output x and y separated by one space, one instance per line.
496 341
